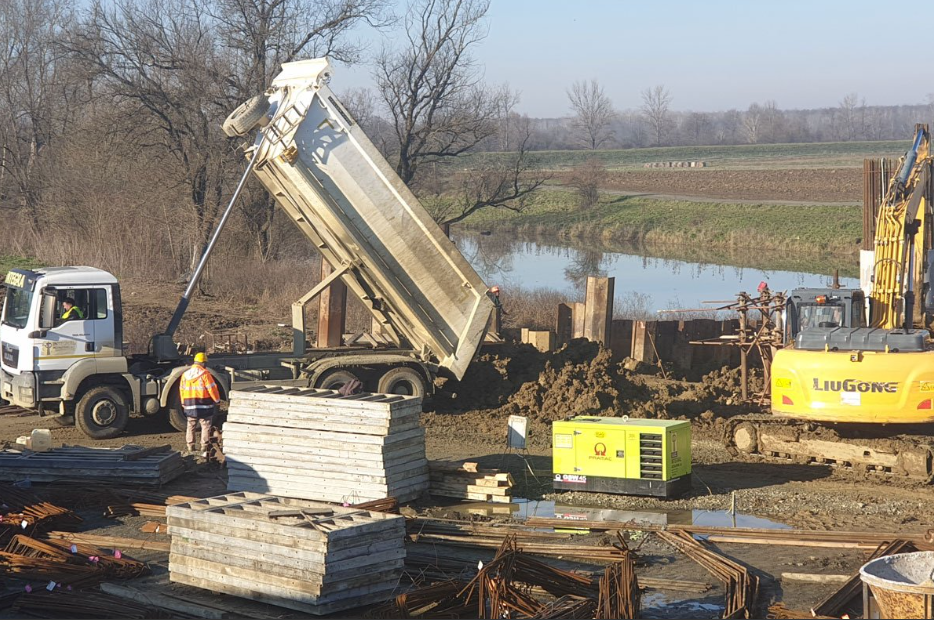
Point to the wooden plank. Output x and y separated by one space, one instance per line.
339 495
298 455
815 578
325 485
289 435
360 453
290 584
272 585
283 553
317 572
154 527
454 466
272 599
321 409
164 601
384 475
300 531
268 422
328 398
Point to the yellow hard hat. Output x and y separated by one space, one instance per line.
200 358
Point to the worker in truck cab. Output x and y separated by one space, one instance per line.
72 312
200 396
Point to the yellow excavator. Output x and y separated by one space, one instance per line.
850 392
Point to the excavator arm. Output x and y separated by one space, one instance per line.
899 262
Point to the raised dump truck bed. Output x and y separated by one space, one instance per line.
340 191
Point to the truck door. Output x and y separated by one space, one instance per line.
71 340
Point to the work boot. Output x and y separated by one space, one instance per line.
192 448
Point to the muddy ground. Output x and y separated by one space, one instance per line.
468 420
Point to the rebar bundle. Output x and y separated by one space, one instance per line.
619 591
19 507
63 562
741 587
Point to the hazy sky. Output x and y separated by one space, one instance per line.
710 54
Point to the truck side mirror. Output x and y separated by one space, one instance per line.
47 311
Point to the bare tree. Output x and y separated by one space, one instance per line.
655 109
773 122
698 124
587 179
493 183
263 34
440 108
593 113
160 62
849 117
432 87
752 123
33 102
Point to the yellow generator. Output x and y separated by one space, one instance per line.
622 455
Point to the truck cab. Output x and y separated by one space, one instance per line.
45 358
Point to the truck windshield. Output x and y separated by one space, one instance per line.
16 307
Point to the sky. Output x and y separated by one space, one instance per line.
711 55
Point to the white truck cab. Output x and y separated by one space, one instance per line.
44 355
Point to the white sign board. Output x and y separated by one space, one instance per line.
515 435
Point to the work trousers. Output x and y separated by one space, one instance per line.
205 431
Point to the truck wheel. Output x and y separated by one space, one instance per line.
336 379
177 417
403 380
102 413
247 115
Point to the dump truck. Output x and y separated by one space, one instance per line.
314 159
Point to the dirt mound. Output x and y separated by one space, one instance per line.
582 378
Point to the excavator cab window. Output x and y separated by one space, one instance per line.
820 315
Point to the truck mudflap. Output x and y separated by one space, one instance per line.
346 198
770 437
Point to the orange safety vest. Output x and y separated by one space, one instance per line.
199 392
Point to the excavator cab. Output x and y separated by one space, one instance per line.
826 308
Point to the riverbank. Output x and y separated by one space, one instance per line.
811 232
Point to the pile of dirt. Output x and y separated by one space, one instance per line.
582 378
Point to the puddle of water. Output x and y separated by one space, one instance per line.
664 605
521 509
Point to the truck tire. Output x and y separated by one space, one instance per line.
247 116
177 417
102 413
402 380
336 379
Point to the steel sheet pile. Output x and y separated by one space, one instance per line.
307 556
320 445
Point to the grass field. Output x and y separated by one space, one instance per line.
769 155
810 230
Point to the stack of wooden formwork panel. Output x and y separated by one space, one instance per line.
126 466
308 556
319 445
465 480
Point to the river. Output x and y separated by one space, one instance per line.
648 281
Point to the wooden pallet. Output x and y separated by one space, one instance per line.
126 465
308 556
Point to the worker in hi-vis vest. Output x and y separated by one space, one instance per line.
72 311
200 396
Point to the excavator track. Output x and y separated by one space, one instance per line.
757 436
